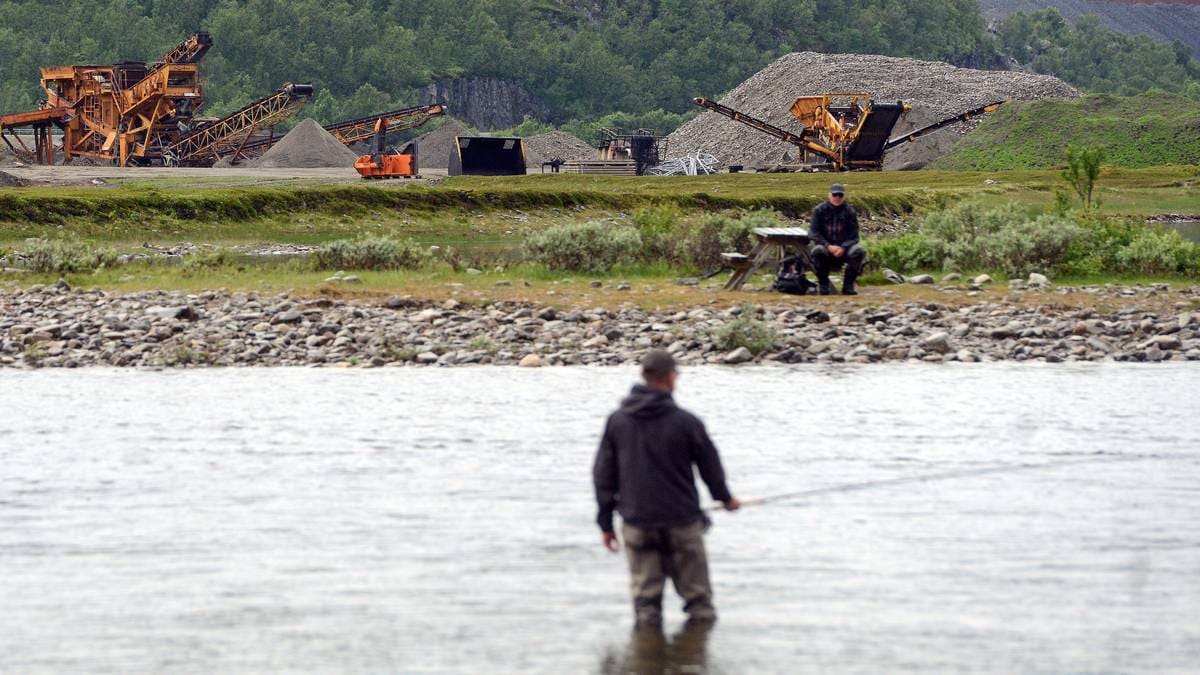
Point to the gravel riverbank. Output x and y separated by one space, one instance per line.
56 326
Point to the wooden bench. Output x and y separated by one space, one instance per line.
772 245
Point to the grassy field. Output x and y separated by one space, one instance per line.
483 217
475 209
1136 131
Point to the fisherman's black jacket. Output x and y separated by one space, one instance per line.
837 225
643 468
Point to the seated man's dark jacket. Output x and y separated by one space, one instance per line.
837 225
643 468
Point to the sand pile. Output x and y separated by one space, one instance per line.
934 90
308 146
556 145
434 148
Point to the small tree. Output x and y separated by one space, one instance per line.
1083 168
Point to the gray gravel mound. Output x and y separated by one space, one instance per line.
934 90
556 145
434 148
307 146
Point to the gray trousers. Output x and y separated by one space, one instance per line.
823 261
676 553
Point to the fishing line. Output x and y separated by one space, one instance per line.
926 478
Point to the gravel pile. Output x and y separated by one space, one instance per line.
556 145
307 146
9 180
434 148
934 90
58 326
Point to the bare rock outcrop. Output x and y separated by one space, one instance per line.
486 102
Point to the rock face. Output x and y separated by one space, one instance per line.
935 91
486 102
57 326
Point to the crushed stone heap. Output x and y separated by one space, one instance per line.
934 90
307 146
556 145
434 148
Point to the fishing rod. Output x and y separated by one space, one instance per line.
907 480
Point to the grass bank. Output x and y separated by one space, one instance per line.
488 209
1135 131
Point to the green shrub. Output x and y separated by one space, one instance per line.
208 260
744 331
658 226
584 247
968 236
1157 250
699 245
1100 243
55 256
1028 246
735 236
370 253
906 253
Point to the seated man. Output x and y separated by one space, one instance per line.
834 233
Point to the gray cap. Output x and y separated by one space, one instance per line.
837 187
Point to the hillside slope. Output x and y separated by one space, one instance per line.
1135 131
1165 21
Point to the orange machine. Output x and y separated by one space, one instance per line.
390 163
842 132
125 112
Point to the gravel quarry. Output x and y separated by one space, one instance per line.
934 90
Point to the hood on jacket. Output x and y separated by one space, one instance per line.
646 403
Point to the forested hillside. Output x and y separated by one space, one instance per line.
1164 21
582 58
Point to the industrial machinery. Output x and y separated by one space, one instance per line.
392 163
134 113
124 113
354 131
487 156
227 135
842 132
645 148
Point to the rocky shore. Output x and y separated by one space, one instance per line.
57 326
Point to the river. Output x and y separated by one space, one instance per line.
441 521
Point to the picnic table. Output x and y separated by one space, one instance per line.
771 246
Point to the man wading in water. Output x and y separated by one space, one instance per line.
643 470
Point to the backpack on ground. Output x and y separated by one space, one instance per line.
790 279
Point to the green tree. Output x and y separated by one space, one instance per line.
1082 170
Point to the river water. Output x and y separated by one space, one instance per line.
441 521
